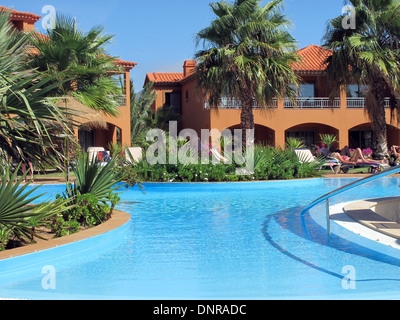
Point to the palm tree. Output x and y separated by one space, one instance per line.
247 55
141 112
30 125
368 54
79 60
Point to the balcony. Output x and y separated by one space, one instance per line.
312 103
300 103
359 103
119 99
235 104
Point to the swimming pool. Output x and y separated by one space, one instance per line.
218 241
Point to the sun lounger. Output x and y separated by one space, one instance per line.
218 156
93 151
306 156
373 167
133 155
103 157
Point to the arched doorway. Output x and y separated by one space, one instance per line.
99 137
361 136
262 135
310 133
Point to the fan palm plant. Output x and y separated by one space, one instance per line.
294 143
18 216
247 55
93 189
96 179
328 139
30 124
368 54
79 60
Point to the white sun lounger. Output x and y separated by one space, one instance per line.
134 154
306 156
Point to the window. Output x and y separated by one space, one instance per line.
304 90
307 137
356 90
118 135
173 99
307 90
86 139
360 139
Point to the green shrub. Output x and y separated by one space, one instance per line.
61 227
93 195
269 164
19 218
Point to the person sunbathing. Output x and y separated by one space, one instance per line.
396 152
357 157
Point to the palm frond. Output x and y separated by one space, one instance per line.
246 44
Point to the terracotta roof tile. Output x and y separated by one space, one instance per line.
125 64
17 15
27 16
312 59
165 78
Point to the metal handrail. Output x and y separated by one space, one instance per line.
359 102
312 103
347 187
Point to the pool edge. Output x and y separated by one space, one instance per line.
118 219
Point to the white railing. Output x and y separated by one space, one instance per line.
349 186
120 99
312 103
227 103
359 103
300 103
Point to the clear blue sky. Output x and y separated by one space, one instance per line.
159 35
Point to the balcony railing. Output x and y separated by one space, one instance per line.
300 103
359 103
237 104
120 99
312 103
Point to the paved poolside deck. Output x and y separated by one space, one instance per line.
48 180
52 180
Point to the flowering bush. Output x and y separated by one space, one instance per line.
367 153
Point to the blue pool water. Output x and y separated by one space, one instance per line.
217 241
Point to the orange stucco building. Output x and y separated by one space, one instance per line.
312 114
118 128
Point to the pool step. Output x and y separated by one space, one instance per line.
361 211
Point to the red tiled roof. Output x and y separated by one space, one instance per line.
119 62
42 36
18 16
312 58
27 16
125 64
164 78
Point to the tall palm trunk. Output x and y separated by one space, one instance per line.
377 115
247 116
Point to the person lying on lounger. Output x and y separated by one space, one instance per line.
357 157
396 152
395 157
